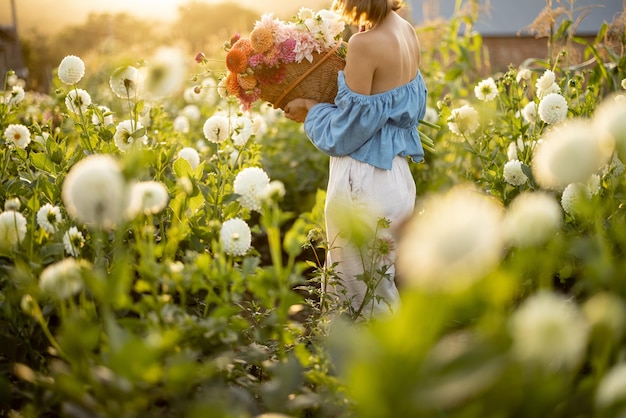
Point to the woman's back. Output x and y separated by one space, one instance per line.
384 57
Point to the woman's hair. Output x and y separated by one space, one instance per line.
365 11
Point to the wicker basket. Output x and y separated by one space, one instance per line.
315 80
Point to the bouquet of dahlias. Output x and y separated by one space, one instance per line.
282 60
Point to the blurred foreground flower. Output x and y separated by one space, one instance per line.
549 330
148 197
12 229
612 387
165 73
94 192
569 153
71 70
609 121
531 219
125 82
454 240
235 237
62 279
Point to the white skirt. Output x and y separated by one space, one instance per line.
358 196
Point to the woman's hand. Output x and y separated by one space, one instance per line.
297 109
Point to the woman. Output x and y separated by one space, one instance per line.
369 132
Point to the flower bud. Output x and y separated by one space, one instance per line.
200 57
235 38
12 204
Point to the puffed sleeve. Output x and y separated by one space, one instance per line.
344 127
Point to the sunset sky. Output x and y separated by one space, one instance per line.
49 15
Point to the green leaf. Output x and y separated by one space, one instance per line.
43 163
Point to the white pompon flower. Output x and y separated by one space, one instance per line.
612 387
222 91
274 190
573 195
463 120
216 128
191 156
607 310
13 204
191 112
523 75
71 70
569 153
531 219
511 151
94 192
609 122
147 197
624 83
431 115
13 229
18 135
125 82
242 130
49 217
235 237
552 109
486 90
63 279
128 133
106 114
16 95
251 184
550 331
553 89
165 73
529 112
73 241
453 240
77 101
513 173
546 80
181 124
594 185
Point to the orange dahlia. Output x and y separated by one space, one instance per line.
262 39
236 60
245 45
247 81
232 84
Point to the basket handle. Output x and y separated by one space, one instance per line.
305 75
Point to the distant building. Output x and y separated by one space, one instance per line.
11 57
503 24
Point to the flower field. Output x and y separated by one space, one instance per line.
162 252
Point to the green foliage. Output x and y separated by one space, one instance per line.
166 321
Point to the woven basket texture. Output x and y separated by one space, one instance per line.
315 80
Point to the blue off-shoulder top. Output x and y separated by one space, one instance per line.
370 128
